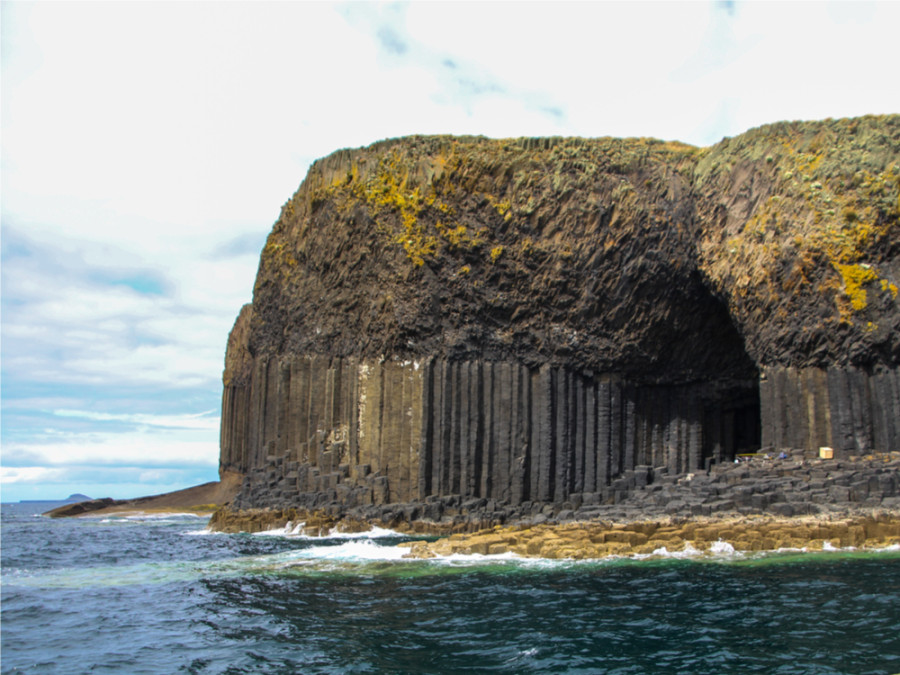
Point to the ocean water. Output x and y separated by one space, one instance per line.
162 595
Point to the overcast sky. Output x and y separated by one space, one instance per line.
148 147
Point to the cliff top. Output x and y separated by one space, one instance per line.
778 246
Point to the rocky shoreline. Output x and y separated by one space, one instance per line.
760 503
581 541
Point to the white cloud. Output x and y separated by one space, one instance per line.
195 421
128 449
30 474
67 326
663 68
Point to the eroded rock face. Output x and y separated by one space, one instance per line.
529 320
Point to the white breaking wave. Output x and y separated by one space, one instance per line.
719 548
351 551
362 547
200 533
478 558
687 552
789 549
165 516
296 532
722 548
368 550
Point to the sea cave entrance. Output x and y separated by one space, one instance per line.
709 411
731 402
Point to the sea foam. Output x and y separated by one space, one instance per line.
296 532
722 548
350 551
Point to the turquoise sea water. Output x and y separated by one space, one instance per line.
160 595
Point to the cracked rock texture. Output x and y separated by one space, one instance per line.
529 320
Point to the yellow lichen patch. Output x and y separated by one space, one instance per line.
460 237
417 245
390 191
496 252
392 194
455 236
432 202
500 207
855 278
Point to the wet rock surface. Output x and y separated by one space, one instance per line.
579 541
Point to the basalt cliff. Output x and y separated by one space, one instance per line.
446 326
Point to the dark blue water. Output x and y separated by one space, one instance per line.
157 596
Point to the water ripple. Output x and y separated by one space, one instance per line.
141 597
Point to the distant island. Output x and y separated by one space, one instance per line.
71 499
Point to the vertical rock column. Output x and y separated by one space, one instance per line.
233 440
389 431
848 409
392 431
234 437
498 430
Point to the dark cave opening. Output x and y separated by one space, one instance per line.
731 418
711 345
731 422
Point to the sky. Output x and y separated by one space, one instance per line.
147 148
